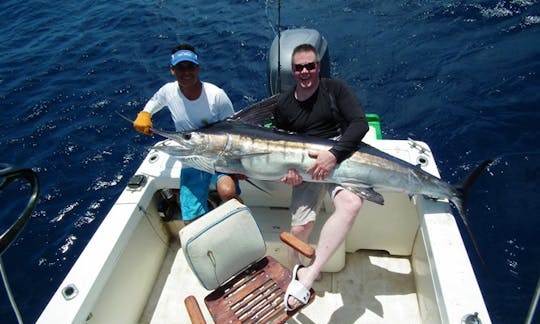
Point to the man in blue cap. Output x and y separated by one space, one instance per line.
193 104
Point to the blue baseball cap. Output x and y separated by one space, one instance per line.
184 55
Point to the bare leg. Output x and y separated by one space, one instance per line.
302 232
347 205
226 187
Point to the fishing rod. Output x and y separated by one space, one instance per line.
278 34
279 47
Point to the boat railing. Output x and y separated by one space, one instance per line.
8 176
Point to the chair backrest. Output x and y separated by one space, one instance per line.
222 243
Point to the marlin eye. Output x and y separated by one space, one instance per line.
187 136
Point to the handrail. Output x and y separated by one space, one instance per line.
8 174
534 304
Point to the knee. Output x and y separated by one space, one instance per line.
226 188
302 231
349 205
355 204
226 193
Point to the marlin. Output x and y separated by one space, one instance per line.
267 154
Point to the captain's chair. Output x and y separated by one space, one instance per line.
226 251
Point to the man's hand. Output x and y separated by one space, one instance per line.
292 178
324 164
143 123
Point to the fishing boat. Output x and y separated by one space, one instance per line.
403 262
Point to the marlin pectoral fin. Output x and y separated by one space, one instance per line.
368 194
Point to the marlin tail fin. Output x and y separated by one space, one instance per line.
460 201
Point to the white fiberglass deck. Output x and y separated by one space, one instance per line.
372 288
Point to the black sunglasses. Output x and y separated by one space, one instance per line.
308 66
185 66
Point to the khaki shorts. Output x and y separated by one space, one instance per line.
307 199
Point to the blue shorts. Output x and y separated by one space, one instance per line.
194 193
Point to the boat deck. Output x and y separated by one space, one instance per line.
373 287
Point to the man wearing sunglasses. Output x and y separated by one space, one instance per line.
323 108
193 104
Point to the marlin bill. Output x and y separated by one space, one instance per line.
266 154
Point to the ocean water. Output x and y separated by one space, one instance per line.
462 76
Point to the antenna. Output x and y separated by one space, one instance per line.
279 48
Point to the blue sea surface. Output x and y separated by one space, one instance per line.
462 76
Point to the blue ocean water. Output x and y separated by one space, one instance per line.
462 76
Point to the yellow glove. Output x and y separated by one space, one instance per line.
143 123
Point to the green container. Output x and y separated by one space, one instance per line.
375 122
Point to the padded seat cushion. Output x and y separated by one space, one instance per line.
222 243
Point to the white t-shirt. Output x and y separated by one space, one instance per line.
213 105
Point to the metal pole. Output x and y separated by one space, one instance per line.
279 48
534 303
9 293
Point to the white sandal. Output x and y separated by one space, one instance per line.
296 290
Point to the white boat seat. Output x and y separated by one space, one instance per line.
212 243
226 251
